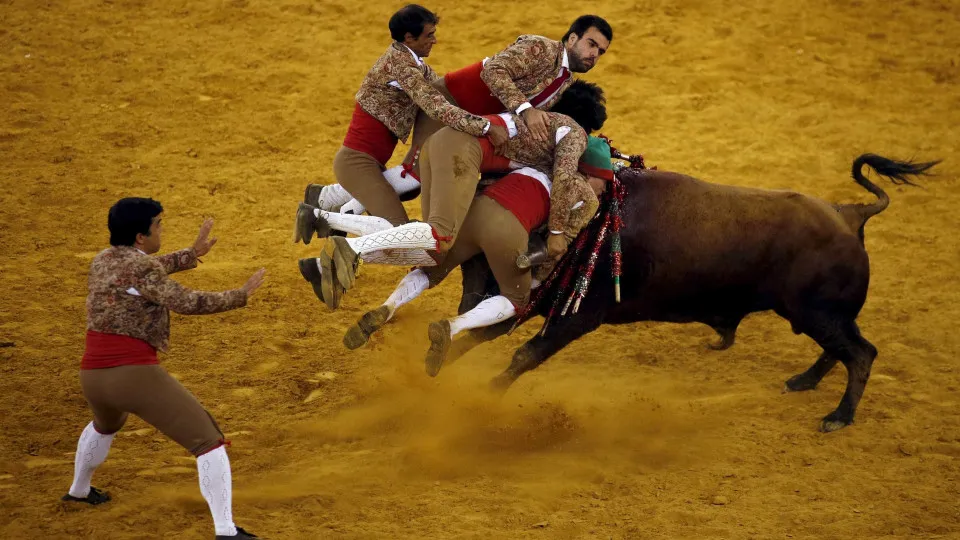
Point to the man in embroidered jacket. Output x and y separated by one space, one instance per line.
497 226
528 77
128 321
451 165
395 88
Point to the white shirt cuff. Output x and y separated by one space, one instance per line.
511 125
486 128
526 105
555 232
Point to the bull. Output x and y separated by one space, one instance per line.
695 251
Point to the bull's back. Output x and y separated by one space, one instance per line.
730 244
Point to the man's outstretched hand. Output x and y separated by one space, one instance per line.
203 243
254 283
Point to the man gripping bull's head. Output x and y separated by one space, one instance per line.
527 77
582 46
451 166
394 90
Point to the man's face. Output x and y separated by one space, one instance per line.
150 244
585 51
422 45
598 185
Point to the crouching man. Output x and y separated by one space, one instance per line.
128 320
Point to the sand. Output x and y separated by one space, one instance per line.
228 108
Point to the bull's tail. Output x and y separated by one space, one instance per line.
856 215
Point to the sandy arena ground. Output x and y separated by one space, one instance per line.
228 108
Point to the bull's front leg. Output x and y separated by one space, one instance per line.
478 283
809 379
540 348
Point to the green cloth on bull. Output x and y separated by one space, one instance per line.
596 160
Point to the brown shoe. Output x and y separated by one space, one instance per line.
345 260
311 273
329 285
311 195
371 321
303 225
440 340
309 223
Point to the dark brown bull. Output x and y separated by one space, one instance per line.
700 252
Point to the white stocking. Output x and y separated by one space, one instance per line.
399 257
401 183
332 197
406 236
411 286
487 313
353 207
91 451
353 224
216 485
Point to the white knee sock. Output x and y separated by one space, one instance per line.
399 257
91 451
354 207
353 224
487 313
332 197
406 236
216 485
411 286
401 183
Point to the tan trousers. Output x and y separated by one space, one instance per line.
424 126
152 394
449 173
362 176
493 230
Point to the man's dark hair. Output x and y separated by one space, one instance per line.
584 22
585 104
129 217
411 18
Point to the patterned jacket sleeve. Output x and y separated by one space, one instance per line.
184 259
579 217
154 285
510 64
416 84
566 192
431 75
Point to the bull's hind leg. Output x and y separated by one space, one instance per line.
540 348
809 379
726 329
842 340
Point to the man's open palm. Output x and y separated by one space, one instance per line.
203 243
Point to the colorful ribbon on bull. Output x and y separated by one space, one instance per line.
568 283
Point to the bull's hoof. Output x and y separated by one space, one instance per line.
501 383
720 345
799 383
833 422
